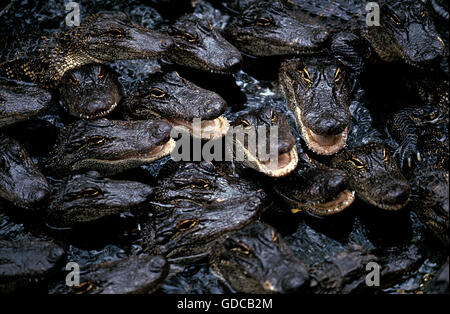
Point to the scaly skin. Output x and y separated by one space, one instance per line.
318 91
196 204
20 181
88 197
91 91
110 146
200 46
100 38
19 102
374 175
256 259
269 28
258 158
169 96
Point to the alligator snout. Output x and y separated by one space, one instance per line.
396 193
293 282
327 123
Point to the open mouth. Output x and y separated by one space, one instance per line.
390 207
286 163
342 201
322 144
207 130
99 114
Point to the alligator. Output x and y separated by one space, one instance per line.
88 197
319 91
141 274
103 37
439 284
315 189
406 32
259 122
91 91
20 180
269 28
28 263
256 259
170 97
20 102
198 45
195 204
109 146
374 175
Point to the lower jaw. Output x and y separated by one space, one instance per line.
99 114
342 201
324 145
288 163
387 207
209 129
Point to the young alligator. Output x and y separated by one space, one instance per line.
196 204
132 275
110 146
91 91
19 102
318 91
315 189
406 31
88 197
374 175
269 28
20 181
169 96
100 38
256 259
258 123
198 45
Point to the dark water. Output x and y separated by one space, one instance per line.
312 240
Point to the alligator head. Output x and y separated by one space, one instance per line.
268 28
318 92
200 46
90 92
89 197
315 189
20 181
171 97
406 32
113 36
256 259
374 175
256 156
195 204
21 102
110 146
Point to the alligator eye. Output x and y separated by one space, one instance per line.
395 19
305 78
200 183
89 192
385 156
358 163
337 75
245 124
186 37
237 246
85 287
95 140
187 224
19 152
101 73
273 116
262 21
156 93
72 79
274 236
116 32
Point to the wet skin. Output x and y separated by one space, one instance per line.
318 92
20 180
90 92
88 197
169 96
256 259
110 146
196 204
374 175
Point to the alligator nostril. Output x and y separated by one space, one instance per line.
398 194
40 196
321 35
328 127
166 43
338 180
233 62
